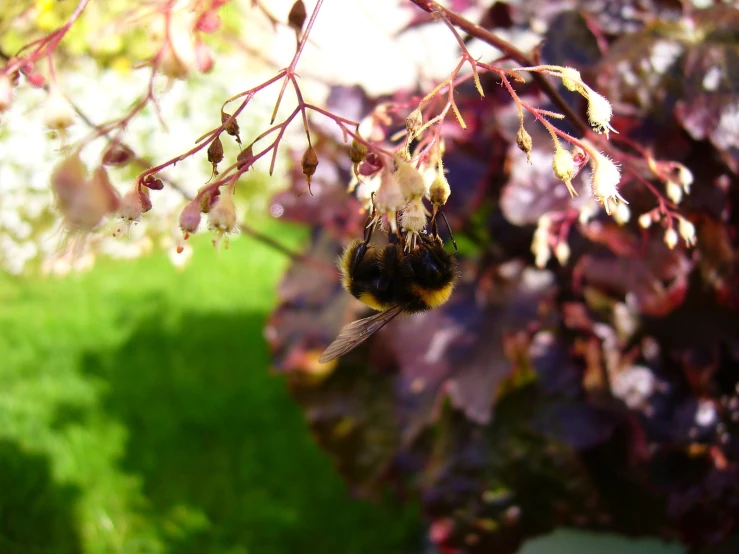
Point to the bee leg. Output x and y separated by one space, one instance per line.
369 228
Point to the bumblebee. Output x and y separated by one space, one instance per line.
392 280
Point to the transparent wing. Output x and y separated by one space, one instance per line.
355 333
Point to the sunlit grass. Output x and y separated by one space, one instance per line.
137 415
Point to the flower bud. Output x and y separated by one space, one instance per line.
410 179
621 214
439 190
562 253
413 220
645 220
604 181
190 217
674 191
103 188
670 238
687 231
389 198
58 113
564 168
177 57
222 216
571 79
357 152
524 142
131 206
599 112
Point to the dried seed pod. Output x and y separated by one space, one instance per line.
309 164
117 154
297 15
215 153
245 158
233 126
524 142
413 123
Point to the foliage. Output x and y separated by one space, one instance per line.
596 388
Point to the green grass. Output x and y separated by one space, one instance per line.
138 415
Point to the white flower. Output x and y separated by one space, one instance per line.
687 231
670 238
599 112
674 191
564 168
604 181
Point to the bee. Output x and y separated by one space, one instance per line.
392 280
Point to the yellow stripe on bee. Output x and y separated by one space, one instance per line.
368 299
433 298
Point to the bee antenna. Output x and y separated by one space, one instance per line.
448 228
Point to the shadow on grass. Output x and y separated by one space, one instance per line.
226 459
36 515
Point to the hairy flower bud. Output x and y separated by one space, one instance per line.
621 214
564 168
222 216
357 152
439 190
132 206
82 202
571 79
599 112
389 198
58 113
604 181
413 220
410 179
190 217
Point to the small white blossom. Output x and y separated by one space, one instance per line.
645 220
599 112
687 231
674 192
671 238
604 181
562 252
564 168
621 214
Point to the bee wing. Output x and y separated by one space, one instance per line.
355 333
